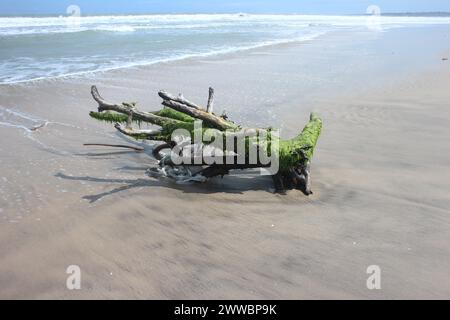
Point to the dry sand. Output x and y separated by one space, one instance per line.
380 177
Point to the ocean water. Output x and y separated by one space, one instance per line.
48 47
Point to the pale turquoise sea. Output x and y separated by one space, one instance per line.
47 47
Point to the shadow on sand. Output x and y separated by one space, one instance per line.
236 184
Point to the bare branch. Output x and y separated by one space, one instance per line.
139 134
137 114
210 106
139 149
101 102
180 99
210 119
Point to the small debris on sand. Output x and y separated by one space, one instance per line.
35 128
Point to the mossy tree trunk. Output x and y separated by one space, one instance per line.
295 154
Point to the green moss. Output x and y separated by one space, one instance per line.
113 117
300 149
292 152
109 116
173 114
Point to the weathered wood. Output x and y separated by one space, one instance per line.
180 99
103 105
130 119
294 155
278 182
139 134
156 151
303 179
210 105
210 119
139 149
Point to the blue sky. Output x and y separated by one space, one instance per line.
21 7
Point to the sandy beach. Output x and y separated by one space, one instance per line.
380 178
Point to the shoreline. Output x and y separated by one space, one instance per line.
220 54
380 195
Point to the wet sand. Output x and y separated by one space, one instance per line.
380 180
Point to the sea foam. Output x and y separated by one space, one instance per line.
50 47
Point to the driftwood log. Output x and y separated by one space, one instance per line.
294 155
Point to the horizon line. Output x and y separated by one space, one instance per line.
51 15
